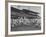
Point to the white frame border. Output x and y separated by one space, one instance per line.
24 32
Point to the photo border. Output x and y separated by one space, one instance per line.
6 10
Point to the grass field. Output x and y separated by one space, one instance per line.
25 28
